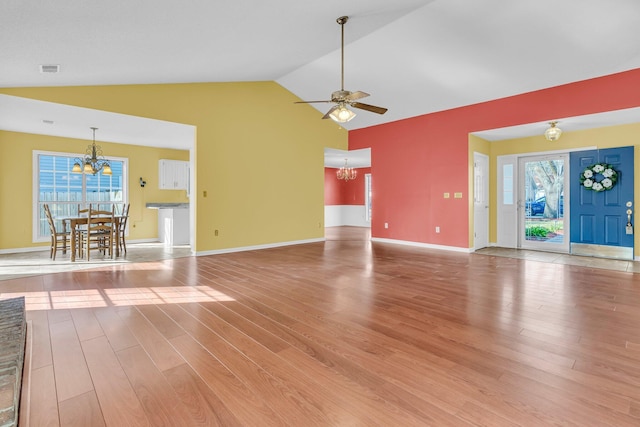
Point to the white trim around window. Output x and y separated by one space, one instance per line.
35 208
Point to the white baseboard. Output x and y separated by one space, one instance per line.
23 250
46 247
258 247
422 245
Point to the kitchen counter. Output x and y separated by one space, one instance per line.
167 205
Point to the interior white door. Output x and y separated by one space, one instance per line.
480 201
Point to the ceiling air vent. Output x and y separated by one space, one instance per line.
50 69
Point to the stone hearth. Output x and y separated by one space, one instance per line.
13 330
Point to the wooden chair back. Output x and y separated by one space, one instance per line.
122 227
58 239
99 233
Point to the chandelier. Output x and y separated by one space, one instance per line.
346 172
553 133
93 161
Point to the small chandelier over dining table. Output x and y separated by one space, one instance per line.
93 161
346 172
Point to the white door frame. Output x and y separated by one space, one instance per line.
480 200
508 213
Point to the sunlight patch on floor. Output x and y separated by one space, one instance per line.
93 298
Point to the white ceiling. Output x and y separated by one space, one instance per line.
334 158
413 57
48 118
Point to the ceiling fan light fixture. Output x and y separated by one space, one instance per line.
553 132
342 114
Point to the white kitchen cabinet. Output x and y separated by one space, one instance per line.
173 175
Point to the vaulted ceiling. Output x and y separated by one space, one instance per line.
412 56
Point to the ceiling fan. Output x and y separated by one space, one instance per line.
343 98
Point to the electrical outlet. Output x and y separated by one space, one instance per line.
437 229
386 225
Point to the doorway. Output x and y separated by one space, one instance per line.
543 220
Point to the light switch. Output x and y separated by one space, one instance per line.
446 195
457 195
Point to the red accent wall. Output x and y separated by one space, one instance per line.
339 192
416 160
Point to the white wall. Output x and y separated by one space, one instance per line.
352 215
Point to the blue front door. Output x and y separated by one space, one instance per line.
599 218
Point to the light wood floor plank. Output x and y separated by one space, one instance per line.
72 374
41 355
43 401
118 401
86 323
201 401
160 402
248 407
81 411
161 352
115 329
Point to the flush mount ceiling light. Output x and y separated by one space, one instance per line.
93 161
346 173
553 133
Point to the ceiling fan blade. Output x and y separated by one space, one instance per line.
372 108
356 95
334 108
309 102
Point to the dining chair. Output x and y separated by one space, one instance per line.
122 227
59 240
98 234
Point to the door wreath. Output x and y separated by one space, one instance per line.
599 177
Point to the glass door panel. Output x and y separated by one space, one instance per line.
543 224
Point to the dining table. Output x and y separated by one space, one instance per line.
75 221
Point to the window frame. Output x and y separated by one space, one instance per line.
35 174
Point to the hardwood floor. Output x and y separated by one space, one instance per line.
344 332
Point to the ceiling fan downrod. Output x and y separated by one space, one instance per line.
342 20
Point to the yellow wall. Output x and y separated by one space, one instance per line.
16 184
605 137
259 156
